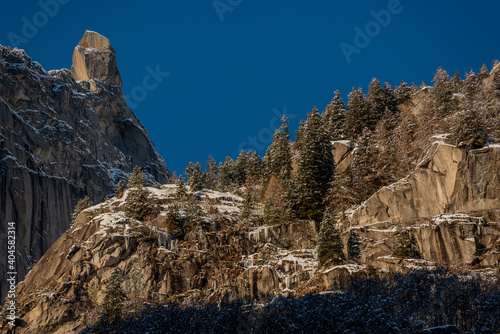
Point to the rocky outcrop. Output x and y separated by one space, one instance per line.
218 259
222 258
450 205
95 58
342 154
446 240
59 142
448 179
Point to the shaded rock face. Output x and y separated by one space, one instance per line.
58 143
448 179
94 58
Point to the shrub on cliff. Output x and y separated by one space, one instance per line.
81 205
137 205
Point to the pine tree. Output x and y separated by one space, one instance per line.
494 64
314 167
277 208
276 174
470 88
377 102
193 211
81 205
114 297
367 168
241 167
174 221
330 246
483 73
278 158
181 192
341 195
414 88
194 176
137 179
137 205
442 95
190 170
405 246
468 130
357 116
253 168
456 82
120 189
334 118
403 93
227 175
247 206
391 112
211 174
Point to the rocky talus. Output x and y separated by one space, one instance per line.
63 135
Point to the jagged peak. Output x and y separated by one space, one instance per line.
94 59
94 40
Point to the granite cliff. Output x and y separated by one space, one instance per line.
223 258
63 135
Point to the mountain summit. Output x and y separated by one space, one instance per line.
64 135
95 58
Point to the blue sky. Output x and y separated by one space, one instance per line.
235 68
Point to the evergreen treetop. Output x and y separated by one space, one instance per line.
211 174
456 82
114 297
442 93
81 205
120 189
334 118
358 114
314 167
403 93
330 246
377 102
278 158
137 179
483 73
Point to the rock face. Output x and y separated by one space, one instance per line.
94 58
449 204
447 240
447 180
342 155
220 260
60 141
